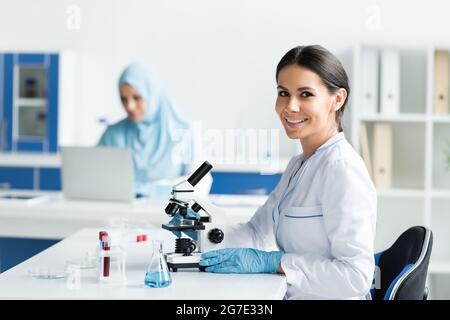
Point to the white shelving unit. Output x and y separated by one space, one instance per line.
406 118
440 119
420 190
402 193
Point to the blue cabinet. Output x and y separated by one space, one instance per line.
243 183
50 179
16 250
16 178
30 178
29 102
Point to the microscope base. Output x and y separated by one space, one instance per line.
177 261
175 266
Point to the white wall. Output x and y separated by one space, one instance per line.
217 58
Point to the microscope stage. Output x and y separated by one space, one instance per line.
175 258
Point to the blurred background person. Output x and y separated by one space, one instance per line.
161 142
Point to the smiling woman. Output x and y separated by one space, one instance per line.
318 225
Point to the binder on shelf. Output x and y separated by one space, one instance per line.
382 155
389 82
441 82
370 75
365 148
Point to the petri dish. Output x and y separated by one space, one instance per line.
46 273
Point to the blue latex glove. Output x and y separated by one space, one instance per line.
241 260
177 219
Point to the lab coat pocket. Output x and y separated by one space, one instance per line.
304 212
303 230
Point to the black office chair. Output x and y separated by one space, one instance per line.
401 270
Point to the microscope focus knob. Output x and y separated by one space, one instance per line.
216 235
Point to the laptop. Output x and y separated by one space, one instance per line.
97 173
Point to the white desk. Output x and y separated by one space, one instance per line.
57 218
16 284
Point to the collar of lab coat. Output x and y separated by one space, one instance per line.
331 141
290 185
334 139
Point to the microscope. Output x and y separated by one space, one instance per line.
209 225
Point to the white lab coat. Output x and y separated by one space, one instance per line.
323 220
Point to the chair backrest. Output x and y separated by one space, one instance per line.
403 267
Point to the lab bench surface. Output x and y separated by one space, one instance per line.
187 285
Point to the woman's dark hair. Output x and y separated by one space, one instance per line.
323 63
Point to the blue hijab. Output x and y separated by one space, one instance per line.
152 139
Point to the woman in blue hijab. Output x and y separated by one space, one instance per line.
160 140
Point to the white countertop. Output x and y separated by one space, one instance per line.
40 160
188 284
54 217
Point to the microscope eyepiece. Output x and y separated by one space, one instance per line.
199 173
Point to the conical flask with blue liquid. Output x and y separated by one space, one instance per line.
158 275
